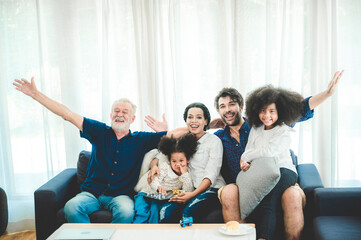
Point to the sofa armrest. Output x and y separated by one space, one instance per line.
338 201
51 197
309 177
4 212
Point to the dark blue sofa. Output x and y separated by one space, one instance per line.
52 196
338 214
3 211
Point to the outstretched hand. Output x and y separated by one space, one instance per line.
155 124
25 86
332 85
319 98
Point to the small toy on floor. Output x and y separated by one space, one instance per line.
186 221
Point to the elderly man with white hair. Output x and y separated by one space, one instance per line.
115 161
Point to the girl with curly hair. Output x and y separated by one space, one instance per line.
173 175
270 112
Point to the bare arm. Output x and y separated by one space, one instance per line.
186 196
178 132
322 96
153 170
59 109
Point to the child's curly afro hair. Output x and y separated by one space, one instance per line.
186 144
289 105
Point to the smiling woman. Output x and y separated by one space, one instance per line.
204 168
197 118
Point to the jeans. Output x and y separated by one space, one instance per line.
79 207
197 207
146 211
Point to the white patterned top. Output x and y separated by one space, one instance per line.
169 180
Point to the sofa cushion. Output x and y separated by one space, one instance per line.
82 166
337 227
143 176
100 216
255 183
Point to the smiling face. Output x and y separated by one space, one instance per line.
268 116
196 122
230 111
178 160
122 117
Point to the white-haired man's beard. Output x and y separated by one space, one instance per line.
120 125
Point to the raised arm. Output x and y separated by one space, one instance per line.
30 89
163 126
322 96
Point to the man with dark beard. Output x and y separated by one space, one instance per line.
229 104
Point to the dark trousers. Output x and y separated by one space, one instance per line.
197 207
265 214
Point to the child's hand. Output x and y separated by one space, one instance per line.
162 190
183 168
245 165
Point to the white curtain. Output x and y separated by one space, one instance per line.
163 55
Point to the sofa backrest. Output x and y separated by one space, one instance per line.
294 158
85 155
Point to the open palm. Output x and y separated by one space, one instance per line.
155 124
25 86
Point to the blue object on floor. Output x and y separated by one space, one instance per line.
186 221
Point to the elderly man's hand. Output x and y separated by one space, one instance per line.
155 124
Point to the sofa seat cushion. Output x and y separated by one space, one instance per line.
101 216
337 227
213 216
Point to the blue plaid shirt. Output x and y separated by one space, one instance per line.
233 150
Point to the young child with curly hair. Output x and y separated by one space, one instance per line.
270 112
172 175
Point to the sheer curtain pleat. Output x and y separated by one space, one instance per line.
163 55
